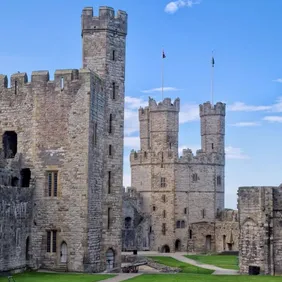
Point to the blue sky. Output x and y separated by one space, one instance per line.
246 37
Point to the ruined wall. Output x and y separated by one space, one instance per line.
15 222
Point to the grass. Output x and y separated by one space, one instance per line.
48 277
202 278
185 267
223 261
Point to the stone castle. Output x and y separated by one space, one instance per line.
181 198
62 156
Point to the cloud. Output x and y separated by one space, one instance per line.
165 89
132 142
242 107
273 118
245 124
188 113
278 80
126 180
277 107
173 6
235 153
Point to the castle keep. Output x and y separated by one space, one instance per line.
184 196
61 157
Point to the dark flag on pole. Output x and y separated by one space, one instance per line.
212 61
164 56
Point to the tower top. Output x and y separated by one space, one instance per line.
165 105
106 20
209 109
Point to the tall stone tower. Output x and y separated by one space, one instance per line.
104 42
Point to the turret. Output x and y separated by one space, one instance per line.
212 127
144 122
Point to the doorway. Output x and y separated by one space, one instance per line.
177 245
208 242
64 252
110 259
165 249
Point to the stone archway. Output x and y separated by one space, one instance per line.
110 259
165 249
64 252
177 245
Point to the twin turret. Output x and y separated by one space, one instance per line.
106 20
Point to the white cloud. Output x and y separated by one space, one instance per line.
173 6
278 80
273 118
132 142
277 107
188 113
235 153
242 107
245 124
160 89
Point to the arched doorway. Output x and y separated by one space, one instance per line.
64 252
165 249
177 245
110 259
27 249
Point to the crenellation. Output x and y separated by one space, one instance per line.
209 109
40 77
3 81
165 105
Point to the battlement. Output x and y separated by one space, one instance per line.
201 157
209 109
39 78
165 105
144 113
106 20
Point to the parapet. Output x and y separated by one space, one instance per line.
165 105
144 113
209 109
105 20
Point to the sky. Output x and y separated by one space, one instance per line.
244 34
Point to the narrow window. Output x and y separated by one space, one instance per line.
169 145
145 154
212 146
164 214
218 180
52 183
114 91
114 55
110 123
163 184
109 218
25 177
52 241
150 229
185 210
190 234
182 224
164 198
109 181
110 150
95 134
195 177
164 228
16 88
178 224
154 208
62 83
203 213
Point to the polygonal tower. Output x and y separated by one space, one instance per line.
104 42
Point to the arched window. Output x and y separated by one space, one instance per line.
194 177
182 224
127 222
178 224
10 144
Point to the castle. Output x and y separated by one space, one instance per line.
181 198
61 157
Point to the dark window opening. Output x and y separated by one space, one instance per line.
203 213
163 184
114 55
212 146
164 214
154 208
109 181
51 241
52 183
27 249
110 123
190 234
150 229
178 224
16 87
218 180
110 150
145 155
182 224
25 177
164 228
114 91
164 198
195 177
109 223
127 222
95 134
185 210
15 181
10 144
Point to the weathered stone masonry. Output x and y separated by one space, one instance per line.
63 131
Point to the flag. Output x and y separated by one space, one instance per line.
212 61
164 56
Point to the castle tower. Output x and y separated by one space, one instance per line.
212 127
104 42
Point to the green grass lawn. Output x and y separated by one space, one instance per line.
185 267
47 277
223 261
202 278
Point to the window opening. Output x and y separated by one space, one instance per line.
25 177
52 179
10 144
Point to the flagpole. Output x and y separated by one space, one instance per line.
212 79
162 75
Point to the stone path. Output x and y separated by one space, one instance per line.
122 277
